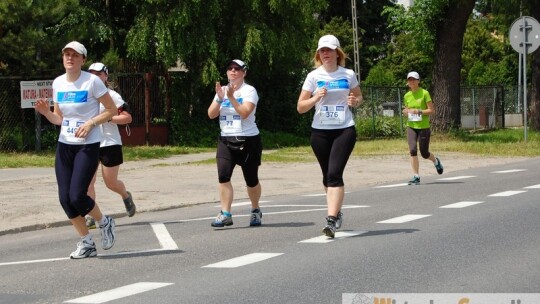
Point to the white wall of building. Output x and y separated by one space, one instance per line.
405 3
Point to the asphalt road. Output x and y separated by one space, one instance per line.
471 231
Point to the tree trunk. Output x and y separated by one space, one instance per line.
447 65
534 106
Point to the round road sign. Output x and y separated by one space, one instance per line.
530 37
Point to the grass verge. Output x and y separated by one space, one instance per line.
502 143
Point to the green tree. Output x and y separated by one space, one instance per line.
374 33
204 35
438 28
27 38
486 58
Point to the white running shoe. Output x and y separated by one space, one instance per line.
84 250
108 234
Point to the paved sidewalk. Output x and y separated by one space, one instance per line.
29 197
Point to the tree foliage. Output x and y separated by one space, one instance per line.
277 39
26 29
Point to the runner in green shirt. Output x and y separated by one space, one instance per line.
417 108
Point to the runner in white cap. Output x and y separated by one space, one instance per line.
110 151
333 90
418 106
77 95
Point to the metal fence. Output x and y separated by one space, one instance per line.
148 96
25 130
481 107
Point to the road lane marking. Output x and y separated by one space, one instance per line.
269 213
507 193
319 194
404 218
100 255
339 235
243 260
532 187
163 236
393 185
461 204
33 261
242 204
456 178
509 171
167 242
118 293
160 231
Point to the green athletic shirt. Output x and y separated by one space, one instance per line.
418 100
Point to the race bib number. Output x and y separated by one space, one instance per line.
415 117
332 114
230 124
69 129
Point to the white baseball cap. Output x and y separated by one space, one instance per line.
328 41
76 46
98 67
238 62
413 75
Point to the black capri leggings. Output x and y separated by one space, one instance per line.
75 166
332 149
248 158
420 136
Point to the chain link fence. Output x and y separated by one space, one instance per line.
23 129
378 117
481 107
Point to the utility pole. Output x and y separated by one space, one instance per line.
355 38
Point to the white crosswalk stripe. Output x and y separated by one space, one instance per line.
243 260
461 204
456 178
509 171
404 219
507 193
339 235
118 293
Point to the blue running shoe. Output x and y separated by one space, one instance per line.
256 216
222 220
415 180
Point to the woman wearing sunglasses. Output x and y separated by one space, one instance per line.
239 142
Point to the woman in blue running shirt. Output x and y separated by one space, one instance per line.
77 95
239 142
332 90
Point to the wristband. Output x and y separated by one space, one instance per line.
218 101
93 122
420 112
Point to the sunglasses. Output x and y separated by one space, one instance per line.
233 68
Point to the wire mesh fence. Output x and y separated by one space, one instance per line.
378 117
481 107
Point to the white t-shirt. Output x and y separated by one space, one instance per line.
78 102
332 111
230 122
110 135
